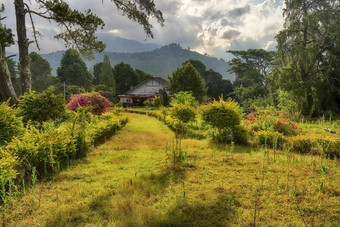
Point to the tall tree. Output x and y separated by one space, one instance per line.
251 68
6 39
309 50
78 29
199 66
106 75
187 78
73 70
217 87
40 70
125 76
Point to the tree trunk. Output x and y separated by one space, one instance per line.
23 43
7 89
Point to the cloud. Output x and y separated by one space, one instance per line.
230 34
211 27
238 12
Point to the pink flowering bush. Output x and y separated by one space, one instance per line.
98 103
269 120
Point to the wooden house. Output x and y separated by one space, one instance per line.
146 90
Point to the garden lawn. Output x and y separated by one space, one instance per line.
132 181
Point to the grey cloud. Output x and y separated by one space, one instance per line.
213 15
230 34
169 8
224 22
238 12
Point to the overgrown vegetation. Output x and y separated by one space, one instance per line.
132 180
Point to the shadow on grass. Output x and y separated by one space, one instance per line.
220 212
127 203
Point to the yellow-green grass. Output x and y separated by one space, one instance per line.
131 181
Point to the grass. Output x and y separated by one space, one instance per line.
130 181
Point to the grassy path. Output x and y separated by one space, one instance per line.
111 186
130 181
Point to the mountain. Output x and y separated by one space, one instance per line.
161 61
120 45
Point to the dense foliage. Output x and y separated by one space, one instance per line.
95 101
187 78
42 106
225 117
308 48
73 70
10 123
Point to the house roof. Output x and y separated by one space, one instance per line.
158 78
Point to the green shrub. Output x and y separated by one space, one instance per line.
222 114
8 165
10 124
42 149
184 97
270 139
42 106
240 134
319 144
157 102
225 118
146 103
182 112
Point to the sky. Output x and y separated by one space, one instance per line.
206 26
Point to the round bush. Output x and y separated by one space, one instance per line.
222 114
182 112
42 106
98 103
10 124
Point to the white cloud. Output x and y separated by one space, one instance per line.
206 26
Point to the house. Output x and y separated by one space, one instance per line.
146 90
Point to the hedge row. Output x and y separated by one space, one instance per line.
46 149
304 144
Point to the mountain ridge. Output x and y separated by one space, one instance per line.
160 61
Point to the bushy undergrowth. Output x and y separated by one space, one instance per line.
98 103
42 106
10 124
267 119
225 118
328 146
46 148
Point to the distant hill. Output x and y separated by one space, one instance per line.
120 45
162 61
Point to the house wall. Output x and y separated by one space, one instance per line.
125 100
149 87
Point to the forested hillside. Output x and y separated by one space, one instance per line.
162 61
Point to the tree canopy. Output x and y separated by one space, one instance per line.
187 78
73 70
251 68
309 48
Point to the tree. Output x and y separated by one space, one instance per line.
215 85
187 78
141 75
78 29
251 68
309 49
40 70
6 39
199 66
73 70
125 77
106 76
